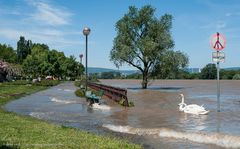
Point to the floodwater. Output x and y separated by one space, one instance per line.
154 121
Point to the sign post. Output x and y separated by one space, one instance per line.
218 43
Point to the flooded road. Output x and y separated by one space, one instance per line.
155 121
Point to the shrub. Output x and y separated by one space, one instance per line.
77 83
121 101
47 83
236 77
131 103
18 82
80 93
80 83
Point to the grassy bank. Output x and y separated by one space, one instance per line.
27 132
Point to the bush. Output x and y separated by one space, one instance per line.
80 93
47 83
18 82
77 83
131 103
80 83
121 101
236 77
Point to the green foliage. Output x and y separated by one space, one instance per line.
41 83
236 77
77 83
209 72
228 74
170 64
134 76
121 102
19 82
187 75
131 103
143 40
23 48
8 54
80 93
38 60
47 83
110 75
45 62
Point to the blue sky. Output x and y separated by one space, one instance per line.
59 24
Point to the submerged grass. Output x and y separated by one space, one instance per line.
26 132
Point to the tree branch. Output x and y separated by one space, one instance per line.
134 65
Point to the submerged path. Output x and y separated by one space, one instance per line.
154 110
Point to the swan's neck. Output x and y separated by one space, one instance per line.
182 99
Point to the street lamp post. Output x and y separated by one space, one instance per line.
86 32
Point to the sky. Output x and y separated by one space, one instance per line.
59 23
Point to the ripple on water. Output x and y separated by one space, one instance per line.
55 99
223 140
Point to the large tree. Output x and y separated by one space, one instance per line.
44 62
7 53
142 40
170 65
209 72
23 48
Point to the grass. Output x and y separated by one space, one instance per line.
26 132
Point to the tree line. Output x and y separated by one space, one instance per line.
37 60
208 72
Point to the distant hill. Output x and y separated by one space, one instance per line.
100 70
232 68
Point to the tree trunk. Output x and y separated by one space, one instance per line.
145 79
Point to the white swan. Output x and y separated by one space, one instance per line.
192 109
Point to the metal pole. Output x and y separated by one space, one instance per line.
218 85
86 64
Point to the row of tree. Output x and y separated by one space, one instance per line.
37 60
208 72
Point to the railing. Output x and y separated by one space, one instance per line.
114 93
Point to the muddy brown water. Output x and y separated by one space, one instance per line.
154 121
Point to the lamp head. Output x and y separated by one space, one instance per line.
86 31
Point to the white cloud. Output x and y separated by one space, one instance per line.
229 14
48 14
52 37
41 22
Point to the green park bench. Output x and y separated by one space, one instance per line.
92 98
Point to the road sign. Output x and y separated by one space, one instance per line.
218 42
218 57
